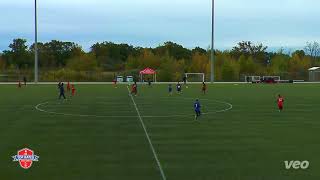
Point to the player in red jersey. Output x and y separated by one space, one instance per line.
68 87
73 90
134 89
114 82
280 102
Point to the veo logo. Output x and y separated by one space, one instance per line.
296 164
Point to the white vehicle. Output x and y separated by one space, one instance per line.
119 78
129 79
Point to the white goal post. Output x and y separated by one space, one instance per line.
201 77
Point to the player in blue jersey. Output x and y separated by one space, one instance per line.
197 109
61 89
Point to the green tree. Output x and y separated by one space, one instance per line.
230 71
279 64
83 63
247 48
199 63
132 63
113 56
174 50
148 59
2 63
167 69
18 54
247 65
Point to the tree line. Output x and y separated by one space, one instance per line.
60 60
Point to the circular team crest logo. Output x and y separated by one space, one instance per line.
25 157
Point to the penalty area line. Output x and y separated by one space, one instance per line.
148 137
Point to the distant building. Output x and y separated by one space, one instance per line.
314 74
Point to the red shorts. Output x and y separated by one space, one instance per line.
280 106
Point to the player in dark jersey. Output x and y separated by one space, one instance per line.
197 109
204 88
280 102
179 88
61 89
184 79
170 89
25 80
149 82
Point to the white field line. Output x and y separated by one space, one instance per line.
148 137
38 108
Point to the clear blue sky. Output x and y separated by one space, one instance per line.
276 23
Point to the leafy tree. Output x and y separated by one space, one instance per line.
230 71
313 49
83 63
132 63
148 59
175 50
247 48
247 65
170 59
299 53
199 63
111 55
2 63
18 54
279 64
167 68
56 53
199 51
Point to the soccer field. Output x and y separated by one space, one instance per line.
103 133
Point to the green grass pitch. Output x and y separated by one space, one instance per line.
98 135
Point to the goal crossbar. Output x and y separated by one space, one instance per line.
201 74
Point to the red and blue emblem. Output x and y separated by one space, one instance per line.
25 157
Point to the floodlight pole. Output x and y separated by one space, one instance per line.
36 43
212 43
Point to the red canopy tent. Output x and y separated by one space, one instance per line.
148 71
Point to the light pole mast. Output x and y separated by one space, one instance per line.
212 43
35 43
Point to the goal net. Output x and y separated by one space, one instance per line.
195 77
